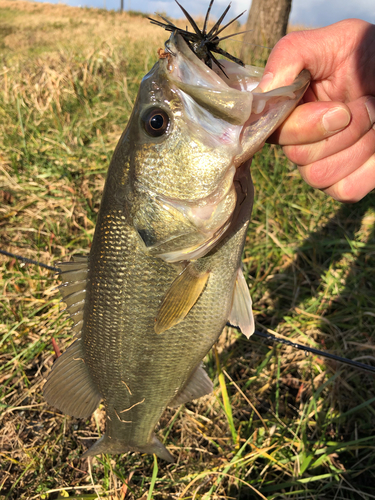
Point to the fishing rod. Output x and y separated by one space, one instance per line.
312 350
266 336
30 261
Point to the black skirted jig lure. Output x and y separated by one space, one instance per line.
203 43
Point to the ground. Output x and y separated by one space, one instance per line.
279 424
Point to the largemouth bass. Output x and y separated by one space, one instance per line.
163 275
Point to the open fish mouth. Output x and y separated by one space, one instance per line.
209 88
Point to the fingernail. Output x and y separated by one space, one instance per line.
266 81
336 119
370 105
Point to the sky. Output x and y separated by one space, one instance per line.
310 13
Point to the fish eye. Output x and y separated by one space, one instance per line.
155 122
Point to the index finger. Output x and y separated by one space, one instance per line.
312 122
321 51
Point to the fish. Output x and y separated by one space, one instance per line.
163 275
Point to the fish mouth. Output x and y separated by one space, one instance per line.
208 89
176 230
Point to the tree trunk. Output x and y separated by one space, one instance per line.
268 22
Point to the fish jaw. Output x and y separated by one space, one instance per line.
270 109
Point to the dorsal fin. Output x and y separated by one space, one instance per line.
74 271
180 298
79 258
241 314
73 289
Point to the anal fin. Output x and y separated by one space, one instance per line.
180 298
241 314
197 386
69 386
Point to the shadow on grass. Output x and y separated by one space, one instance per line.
331 275
325 297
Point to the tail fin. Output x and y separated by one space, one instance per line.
115 446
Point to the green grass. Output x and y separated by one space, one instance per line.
279 424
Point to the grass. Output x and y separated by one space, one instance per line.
279 424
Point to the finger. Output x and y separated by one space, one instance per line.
328 53
297 51
328 171
356 185
312 122
363 117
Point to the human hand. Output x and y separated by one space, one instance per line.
331 135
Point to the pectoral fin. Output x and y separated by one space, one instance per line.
241 314
180 298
